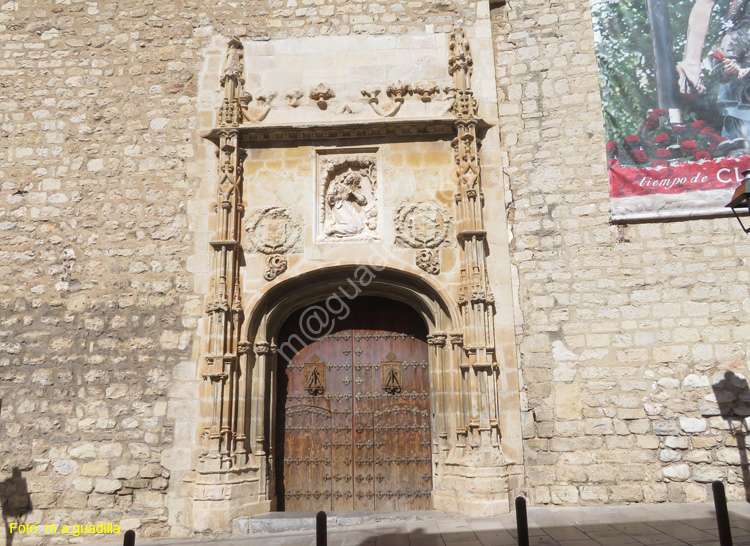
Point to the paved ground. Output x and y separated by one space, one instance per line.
660 525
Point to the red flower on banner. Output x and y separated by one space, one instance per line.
632 139
700 124
716 138
708 131
702 155
613 163
651 123
663 153
689 146
611 146
661 139
639 156
659 112
659 163
679 129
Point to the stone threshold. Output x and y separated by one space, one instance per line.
285 522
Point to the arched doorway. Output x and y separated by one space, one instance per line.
353 427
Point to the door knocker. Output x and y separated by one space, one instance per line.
391 374
315 376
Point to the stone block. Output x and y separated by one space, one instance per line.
692 425
151 470
95 468
107 486
677 472
568 402
564 494
666 427
148 499
125 471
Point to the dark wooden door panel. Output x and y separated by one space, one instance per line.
355 429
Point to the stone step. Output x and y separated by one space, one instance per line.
284 522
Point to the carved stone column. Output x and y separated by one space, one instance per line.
224 307
475 300
436 343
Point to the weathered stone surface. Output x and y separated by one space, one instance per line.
125 471
103 485
677 473
95 468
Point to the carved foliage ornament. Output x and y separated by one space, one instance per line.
347 197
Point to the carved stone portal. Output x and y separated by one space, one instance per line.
347 195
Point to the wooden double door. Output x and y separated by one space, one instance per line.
353 421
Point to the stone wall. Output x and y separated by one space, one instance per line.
625 333
97 166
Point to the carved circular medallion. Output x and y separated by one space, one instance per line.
274 230
422 225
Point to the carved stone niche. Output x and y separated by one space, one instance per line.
425 227
348 204
274 231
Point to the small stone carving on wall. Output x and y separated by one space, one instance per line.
424 226
347 195
274 231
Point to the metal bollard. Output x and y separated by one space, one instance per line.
522 522
321 529
129 539
722 514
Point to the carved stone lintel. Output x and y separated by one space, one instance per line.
429 261
276 264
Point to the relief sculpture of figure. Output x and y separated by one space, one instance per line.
349 210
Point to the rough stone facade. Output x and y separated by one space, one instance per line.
624 334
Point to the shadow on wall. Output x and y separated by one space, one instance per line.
15 500
733 396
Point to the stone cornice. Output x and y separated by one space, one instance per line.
251 135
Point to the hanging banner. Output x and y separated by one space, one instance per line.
675 83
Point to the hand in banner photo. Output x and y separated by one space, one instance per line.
689 69
734 93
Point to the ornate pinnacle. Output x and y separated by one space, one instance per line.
233 67
460 57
